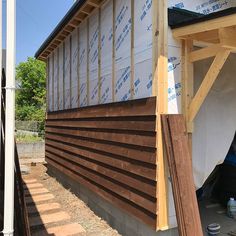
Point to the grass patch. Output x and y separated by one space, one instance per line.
27 138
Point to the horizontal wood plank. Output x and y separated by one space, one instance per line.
110 149
139 213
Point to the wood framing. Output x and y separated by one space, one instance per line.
160 85
214 24
207 83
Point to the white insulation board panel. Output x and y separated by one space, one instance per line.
123 50
83 56
106 51
61 77
67 72
93 58
74 69
55 79
142 48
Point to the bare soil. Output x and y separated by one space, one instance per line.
70 203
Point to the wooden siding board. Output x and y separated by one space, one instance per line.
130 151
134 181
111 149
141 214
108 183
112 160
141 107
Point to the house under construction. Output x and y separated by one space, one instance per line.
113 68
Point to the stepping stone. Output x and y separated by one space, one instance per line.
33 185
40 208
64 230
37 221
38 198
30 181
36 191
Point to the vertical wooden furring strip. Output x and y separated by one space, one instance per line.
78 65
132 52
99 55
160 87
70 77
113 50
187 85
52 58
88 49
63 84
58 78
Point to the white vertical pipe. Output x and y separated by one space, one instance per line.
10 120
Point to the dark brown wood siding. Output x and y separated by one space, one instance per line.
111 149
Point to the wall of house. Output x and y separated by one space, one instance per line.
110 149
108 58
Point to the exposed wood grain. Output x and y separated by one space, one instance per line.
112 149
180 166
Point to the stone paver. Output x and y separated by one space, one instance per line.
48 218
42 208
36 191
39 198
33 185
64 230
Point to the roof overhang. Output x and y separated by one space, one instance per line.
78 13
216 28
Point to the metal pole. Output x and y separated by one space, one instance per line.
10 121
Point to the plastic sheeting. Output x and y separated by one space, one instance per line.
123 25
93 58
74 69
142 48
106 51
83 54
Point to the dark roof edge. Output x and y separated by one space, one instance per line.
211 16
75 7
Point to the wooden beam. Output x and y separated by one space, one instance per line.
227 37
204 53
220 22
161 76
207 83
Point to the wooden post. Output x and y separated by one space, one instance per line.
160 86
187 85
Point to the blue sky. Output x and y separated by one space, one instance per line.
35 21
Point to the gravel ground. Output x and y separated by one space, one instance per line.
71 204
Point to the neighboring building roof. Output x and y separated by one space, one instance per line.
180 18
73 10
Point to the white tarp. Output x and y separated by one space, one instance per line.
106 51
74 69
